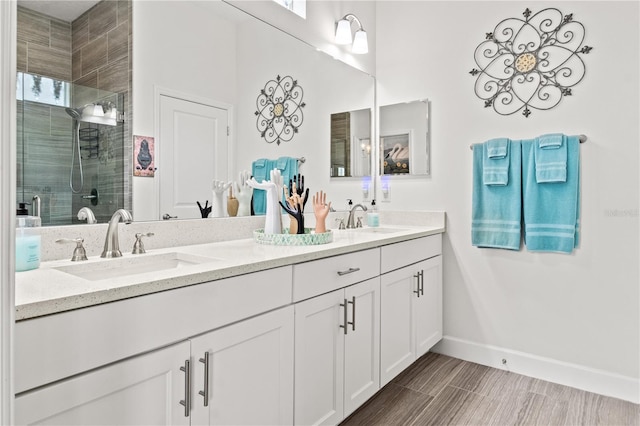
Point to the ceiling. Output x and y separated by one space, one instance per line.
66 10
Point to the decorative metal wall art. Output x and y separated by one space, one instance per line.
279 109
531 62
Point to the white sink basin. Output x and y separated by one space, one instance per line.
133 265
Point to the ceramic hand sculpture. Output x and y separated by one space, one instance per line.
244 193
321 210
219 187
296 185
296 210
232 203
273 220
204 211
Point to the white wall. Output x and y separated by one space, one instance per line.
581 309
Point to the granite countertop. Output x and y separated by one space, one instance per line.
49 290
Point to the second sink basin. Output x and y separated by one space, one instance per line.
379 230
133 265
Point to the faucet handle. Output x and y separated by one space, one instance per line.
79 253
341 223
138 247
359 223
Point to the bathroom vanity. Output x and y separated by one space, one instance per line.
233 332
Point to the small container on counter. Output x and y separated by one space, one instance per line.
27 240
373 220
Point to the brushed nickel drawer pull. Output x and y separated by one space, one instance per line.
348 271
417 277
346 320
353 313
422 282
205 392
187 388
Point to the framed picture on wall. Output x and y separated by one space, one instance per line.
144 156
396 153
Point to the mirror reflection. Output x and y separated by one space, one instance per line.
404 138
351 143
72 90
229 60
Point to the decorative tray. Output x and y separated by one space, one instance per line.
309 238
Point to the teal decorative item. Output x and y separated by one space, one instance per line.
306 239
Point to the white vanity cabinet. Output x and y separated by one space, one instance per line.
243 373
145 390
411 303
336 337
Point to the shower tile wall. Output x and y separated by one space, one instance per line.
101 61
44 131
95 52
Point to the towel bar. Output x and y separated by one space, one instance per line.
583 139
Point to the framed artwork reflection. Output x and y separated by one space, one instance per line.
144 156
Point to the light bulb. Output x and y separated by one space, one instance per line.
360 45
343 32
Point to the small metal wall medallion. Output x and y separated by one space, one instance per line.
531 62
279 109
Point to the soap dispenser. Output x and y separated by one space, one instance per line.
27 239
373 220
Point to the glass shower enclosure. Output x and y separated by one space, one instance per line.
70 149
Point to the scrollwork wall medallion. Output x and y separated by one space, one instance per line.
279 109
530 63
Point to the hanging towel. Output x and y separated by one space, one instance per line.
495 162
496 209
288 167
551 158
551 210
260 170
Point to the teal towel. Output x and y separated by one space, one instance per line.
495 162
496 210
551 158
551 210
260 170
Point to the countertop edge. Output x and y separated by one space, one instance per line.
79 301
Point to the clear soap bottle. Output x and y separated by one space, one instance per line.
27 239
373 219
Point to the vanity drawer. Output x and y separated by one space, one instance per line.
322 276
398 255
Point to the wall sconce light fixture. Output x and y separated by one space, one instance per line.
343 34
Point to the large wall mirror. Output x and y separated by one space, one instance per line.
202 50
405 139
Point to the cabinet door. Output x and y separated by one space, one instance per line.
397 333
362 344
145 390
249 373
428 310
319 352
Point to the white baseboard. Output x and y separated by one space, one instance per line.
564 373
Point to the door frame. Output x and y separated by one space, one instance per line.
8 107
159 91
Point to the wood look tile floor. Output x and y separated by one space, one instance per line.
440 390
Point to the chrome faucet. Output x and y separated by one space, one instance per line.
350 222
111 245
85 213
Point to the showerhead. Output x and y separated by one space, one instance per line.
75 113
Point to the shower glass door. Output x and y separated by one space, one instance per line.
70 154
